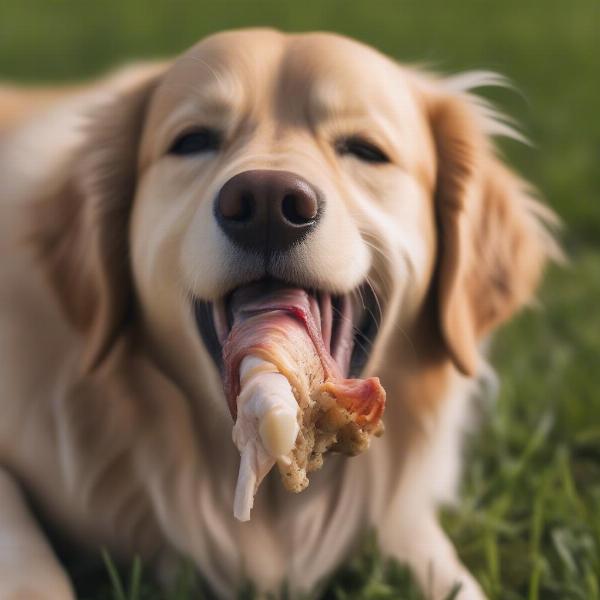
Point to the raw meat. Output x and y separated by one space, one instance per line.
286 393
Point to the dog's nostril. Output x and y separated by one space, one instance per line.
299 209
237 207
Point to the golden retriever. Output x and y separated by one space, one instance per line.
113 261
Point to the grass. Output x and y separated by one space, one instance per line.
528 525
369 575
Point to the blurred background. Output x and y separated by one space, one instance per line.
529 522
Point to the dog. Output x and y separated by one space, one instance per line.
113 256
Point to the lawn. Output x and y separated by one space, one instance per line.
528 525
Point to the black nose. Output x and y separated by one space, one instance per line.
267 211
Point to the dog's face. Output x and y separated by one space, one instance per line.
309 160
301 159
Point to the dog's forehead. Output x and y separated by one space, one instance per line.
324 72
337 74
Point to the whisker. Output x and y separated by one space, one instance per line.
356 332
361 297
386 285
395 325
379 308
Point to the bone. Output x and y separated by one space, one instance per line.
246 484
266 406
278 431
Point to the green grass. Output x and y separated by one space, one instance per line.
528 525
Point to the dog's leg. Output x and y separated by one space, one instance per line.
28 568
423 546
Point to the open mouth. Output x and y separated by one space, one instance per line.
347 324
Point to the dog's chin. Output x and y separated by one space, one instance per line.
348 323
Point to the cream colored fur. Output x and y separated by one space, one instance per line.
112 418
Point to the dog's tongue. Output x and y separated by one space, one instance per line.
281 324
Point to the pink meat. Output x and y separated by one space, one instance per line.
283 326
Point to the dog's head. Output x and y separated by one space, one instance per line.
309 160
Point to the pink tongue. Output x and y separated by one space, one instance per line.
263 311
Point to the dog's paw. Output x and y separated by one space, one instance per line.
449 580
464 586
424 547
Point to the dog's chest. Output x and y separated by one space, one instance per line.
295 540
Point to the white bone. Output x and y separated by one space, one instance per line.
265 430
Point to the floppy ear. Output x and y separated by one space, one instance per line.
80 229
493 236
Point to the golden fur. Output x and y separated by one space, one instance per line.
112 417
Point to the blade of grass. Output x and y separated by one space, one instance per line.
115 579
537 524
135 580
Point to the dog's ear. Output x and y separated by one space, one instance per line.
493 235
80 228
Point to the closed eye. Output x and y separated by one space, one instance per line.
196 141
362 149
